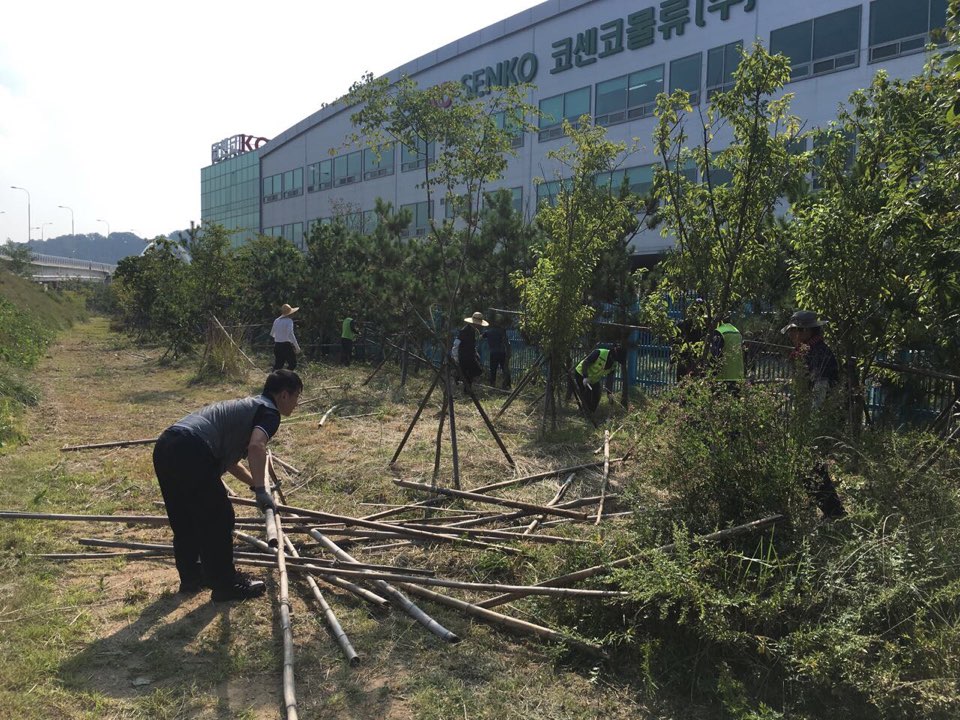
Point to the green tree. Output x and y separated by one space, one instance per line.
18 257
585 221
724 228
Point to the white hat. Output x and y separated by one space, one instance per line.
477 319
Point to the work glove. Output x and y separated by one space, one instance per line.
587 385
264 501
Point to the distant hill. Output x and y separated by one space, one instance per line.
94 246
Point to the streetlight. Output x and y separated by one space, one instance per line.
64 207
108 228
40 227
14 187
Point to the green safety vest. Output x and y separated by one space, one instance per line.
347 333
731 363
598 369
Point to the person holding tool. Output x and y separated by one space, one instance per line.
190 457
591 371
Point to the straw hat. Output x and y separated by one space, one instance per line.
286 310
477 319
802 320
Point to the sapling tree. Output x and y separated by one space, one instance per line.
723 224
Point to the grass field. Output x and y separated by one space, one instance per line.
112 639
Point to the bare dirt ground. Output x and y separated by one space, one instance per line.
112 639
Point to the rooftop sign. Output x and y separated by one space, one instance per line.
233 146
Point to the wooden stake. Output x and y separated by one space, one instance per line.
416 416
606 475
118 443
341 637
132 519
486 421
224 330
477 497
553 501
399 598
623 562
504 621
453 430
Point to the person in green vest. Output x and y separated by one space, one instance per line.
726 349
348 334
590 372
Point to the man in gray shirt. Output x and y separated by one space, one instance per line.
189 459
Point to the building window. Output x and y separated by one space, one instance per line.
293 233
722 62
275 231
293 183
822 45
417 157
900 27
272 188
554 110
420 224
370 221
548 192
512 126
320 176
516 199
639 179
346 168
820 144
629 97
685 75
379 162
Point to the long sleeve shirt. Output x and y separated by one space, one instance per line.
282 332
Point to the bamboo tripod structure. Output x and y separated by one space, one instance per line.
443 373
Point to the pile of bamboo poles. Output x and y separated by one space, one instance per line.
469 519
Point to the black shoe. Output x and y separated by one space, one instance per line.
192 583
243 588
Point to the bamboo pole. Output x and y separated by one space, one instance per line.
504 535
398 597
339 635
129 555
397 529
553 501
325 415
453 430
375 370
416 416
116 444
606 475
493 431
283 600
520 386
623 562
132 519
438 444
478 497
360 592
580 502
504 621
233 342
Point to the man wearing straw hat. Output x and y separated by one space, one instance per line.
822 373
465 348
285 345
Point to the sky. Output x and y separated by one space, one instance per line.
110 108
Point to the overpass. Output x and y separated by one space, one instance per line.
54 269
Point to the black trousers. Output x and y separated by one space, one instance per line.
590 398
284 353
346 350
499 361
200 514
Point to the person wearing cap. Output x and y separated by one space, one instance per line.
285 345
190 458
822 373
592 370
805 331
348 333
465 348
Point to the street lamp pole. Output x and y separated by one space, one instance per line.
64 207
14 187
40 227
108 227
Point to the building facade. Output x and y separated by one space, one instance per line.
604 58
230 187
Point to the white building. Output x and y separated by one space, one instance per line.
606 58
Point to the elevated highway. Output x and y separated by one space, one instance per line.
54 269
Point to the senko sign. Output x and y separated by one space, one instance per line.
233 146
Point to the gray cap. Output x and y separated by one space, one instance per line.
803 319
